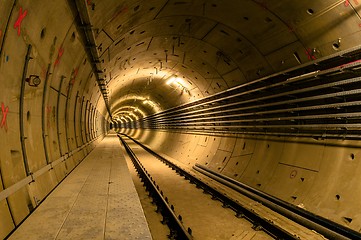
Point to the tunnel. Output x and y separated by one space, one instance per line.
264 92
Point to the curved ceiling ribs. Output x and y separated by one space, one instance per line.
212 46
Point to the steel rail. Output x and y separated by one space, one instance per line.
177 230
326 227
259 222
320 224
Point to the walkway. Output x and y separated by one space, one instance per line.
96 201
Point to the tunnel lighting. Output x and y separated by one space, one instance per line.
148 102
151 103
171 80
176 80
179 82
126 109
132 114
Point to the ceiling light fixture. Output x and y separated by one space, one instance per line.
171 80
179 84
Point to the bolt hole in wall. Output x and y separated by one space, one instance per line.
28 116
338 197
347 219
310 11
336 46
42 33
352 156
72 37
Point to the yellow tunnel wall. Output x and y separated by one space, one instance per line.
59 121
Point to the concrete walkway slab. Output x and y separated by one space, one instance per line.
97 200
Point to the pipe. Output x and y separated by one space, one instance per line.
21 110
81 119
66 115
44 115
57 114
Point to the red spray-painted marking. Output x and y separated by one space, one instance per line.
72 78
73 75
293 174
21 17
262 4
4 111
122 10
343 65
310 55
347 2
290 28
60 54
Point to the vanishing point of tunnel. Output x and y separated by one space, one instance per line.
265 94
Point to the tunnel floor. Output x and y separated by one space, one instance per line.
206 217
99 200
96 201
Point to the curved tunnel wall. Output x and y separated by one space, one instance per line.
46 129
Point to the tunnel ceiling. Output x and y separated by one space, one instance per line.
209 46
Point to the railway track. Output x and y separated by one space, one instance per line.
191 214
